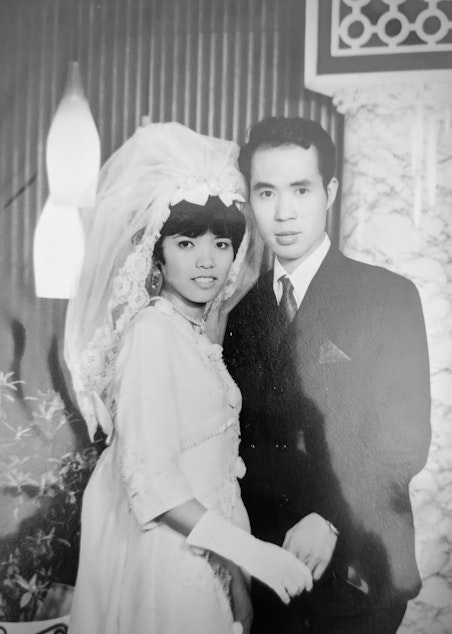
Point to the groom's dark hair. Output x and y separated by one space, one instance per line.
280 131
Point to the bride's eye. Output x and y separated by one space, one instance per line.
185 244
224 244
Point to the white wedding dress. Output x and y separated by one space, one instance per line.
176 436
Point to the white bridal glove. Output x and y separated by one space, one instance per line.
277 568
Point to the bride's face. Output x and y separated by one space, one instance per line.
195 270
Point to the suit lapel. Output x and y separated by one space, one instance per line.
315 320
324 289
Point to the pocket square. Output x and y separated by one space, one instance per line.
329 353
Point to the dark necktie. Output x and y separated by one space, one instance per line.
287 305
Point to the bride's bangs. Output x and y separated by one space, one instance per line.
193 220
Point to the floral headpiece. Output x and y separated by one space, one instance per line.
197 191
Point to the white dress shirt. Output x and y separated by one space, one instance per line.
303 274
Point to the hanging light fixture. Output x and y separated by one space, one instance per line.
73 162
58 251
73 147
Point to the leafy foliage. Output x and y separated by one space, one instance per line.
48 535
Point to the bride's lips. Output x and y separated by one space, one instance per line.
205 281
287 238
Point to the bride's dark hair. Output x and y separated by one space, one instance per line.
192 220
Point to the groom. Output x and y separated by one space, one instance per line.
331 357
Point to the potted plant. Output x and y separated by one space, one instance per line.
41 494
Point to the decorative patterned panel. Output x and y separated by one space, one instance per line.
390 27
351 42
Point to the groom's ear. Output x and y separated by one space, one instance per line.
331 191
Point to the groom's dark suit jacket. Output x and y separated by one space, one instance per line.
335 420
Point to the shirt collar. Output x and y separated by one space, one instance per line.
303 274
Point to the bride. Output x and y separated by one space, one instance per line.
165 540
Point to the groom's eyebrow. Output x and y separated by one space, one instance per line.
263 185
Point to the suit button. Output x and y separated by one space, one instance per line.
252 446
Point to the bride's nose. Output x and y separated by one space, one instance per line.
205 257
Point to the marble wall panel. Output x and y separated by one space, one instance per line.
397 212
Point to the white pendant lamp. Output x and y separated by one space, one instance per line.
73 163
58 251
73 147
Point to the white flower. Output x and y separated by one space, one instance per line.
228 198
198 193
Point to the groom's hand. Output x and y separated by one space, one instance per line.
312 540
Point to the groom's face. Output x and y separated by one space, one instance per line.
289 201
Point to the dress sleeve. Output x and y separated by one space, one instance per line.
147 421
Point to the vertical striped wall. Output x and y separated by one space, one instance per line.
215 65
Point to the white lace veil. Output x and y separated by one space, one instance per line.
158 166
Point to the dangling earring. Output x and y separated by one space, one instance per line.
155 280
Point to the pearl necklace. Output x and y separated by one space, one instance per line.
200 323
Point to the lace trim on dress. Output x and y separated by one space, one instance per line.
214 355
222 498
195 569
205 432
222 587
153 485
192 568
